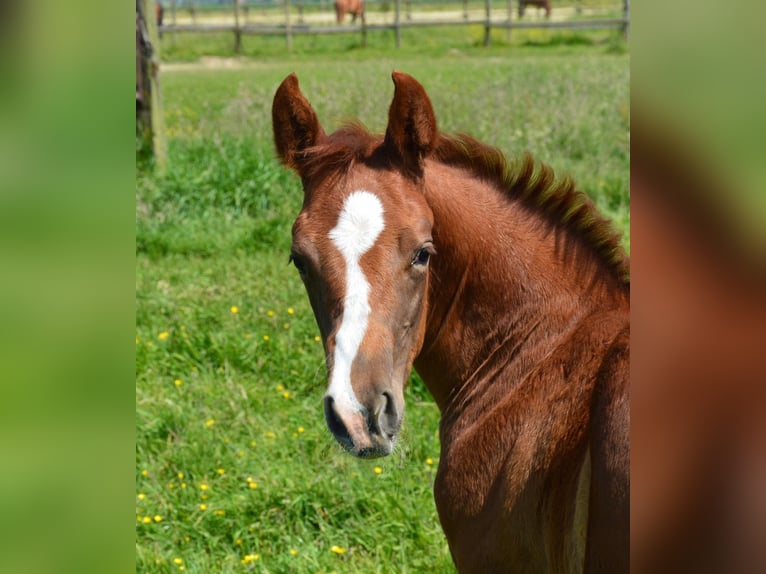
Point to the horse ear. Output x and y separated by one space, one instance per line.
411 130
294 121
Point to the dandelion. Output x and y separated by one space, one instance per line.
203 486
250 558
182 568
248 336
146 520
183 485
144 472
220 512
338 550
318 339
180 476
234 309
150 343
203 496
271 313
293 552
266 337
138 341
270 434
253 443
429 461
178 561
203 506
290 311
377 470
209 423
164 335
178 382
157 518
221 471
171 485
301 429
226 440
240 453
280 388
252 485
287 394
286 325
141 496
238 542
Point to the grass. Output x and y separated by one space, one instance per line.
235 469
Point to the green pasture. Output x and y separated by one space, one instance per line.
235 469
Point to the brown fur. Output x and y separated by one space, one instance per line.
520 331
353 7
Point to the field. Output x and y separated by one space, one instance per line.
235 469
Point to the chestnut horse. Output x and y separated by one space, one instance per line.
545 4
510 296
353 7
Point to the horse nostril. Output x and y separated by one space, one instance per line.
334 423
388 417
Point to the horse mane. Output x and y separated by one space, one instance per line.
530 182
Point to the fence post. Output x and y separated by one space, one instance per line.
288 27
397 28
237 30
626 15
150 122
487 28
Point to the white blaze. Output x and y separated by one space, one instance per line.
359 224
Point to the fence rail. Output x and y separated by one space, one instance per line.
286 26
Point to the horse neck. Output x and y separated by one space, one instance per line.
503 279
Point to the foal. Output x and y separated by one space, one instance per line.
507 292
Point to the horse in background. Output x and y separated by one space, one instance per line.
510 296
545 4
353 7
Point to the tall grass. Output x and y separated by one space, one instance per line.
235 470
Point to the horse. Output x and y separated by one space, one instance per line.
353 7
545 4
506 291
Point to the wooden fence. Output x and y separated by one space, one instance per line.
288 24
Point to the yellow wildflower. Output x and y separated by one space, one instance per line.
164 335
286 394
144 472
178 382
253 443
429 461
270 313
209 423
377 470
234 309
147 520
178 561
318 339
270 434
250 558
290 311
221 471
171 485
180 475
141 496
157 518
183 485
286 325
338 550
220 512
238 542
203 506
252 485
280 388
301 429
181 568
266 337
293 552
203 486
138 341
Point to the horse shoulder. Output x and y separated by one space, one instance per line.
609 512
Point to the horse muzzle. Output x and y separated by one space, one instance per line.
366 432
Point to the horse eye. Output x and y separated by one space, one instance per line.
421 257
298 262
